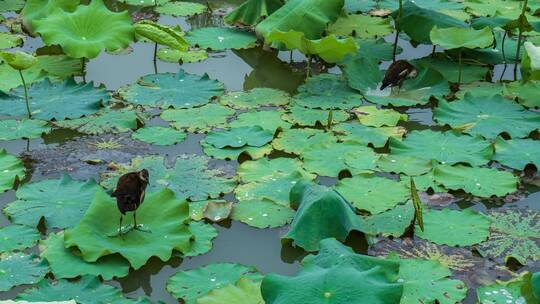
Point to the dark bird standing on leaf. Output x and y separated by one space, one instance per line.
397 72
129 194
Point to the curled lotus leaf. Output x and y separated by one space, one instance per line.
327 91
18 60
299 140
244 291
262 213
517 153
219 38
255 98
39 9
530 64
360 134
200 119
26 128
307 117
19 268
459 37
162 34
12 169
17 237
262 169
105 121
160 136
239 137
269 120
180 8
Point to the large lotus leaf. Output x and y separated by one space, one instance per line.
252 12
162 34
275 188
55 100
12 170
61 202
188 170
201 242
11 78
298 141
330 159
66 263
321 213
169 90
105 121
198 119
483 182
262 169
176 56
269 120
459 37
446 147
18 269
8 41
327 91
193 284
447 69
530 64
514 234
487 116
374 117
235 153
468 227
255 98
358 133
238 137
160 136
87 30
162 213
517 153
40 9
361 26
245 291
409 165
393 222
17 237
27 128
309 17
262 213
60 65
220 38
180 8
307 117
363 74
372 193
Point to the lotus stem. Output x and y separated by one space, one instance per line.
433 51
520 36
308 67
459 71
155 58
25 95
396 23
330 120
83 69
290 57
504 55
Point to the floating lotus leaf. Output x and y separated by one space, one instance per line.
162 213
55 100
162 34
217 211
106 121
66 263
487 116
307 117
530 64
330 159
196 209
17 237
373 117
358 133
262 213
201 243
275 188
245 291
180 9
40 9
80 38
11 5
220 38
483 182
8 41
169 90
268 120
61 202
238 137
298 141
517 153
327 91
459 37
390 223
492 8
468 227
193 284
252 12
188 170
361 26
409 165
446 68
198 119
255 98
526 93
60 65
176 56
18 60
514 234
160 136
235 153
12 170
263 169
426 182
27 128
503 292
18 269
372 193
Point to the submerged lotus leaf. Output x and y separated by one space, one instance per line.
330 159
373 193
192 284
361 26
176 56
459 37
487 116
179 90
262 213
201 242
12 170
252 12
373 117
269 120
298 141
446 147
55 100
263 169
409 165
393 222
517 153
180 9
105 121
221 38
18 269
483 182
198 119
162 34
8 41
307 117
358 133
26 128
238 137
86 31
327 91
275 188
161 136
468 227
235 153
162 213
66 263
255 98
17 237
514 234
60 202
244 291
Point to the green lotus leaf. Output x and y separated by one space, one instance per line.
321 213
200 119
393 222
161 212
306 117
244 291
18 269
363 74
274 188
330 159
40 9
144 3
220 38
268 120
481 89
361 26
8 41
483 182
458 37
252 12
262 213
360 134
162 34
55 100
180 9
196 209
27 128
18 60
327 91
17 237
468 227
216 210
196 283
426 182
11 5
298 141
530 62
447 71
169 90
373 117
86 31
66 263
255 98
160 136
238 137
493 8
235 153
60 65
517 153
188 170
437 5
494 55
505 292
12 169
514 234
409 165
264 169
60 202
11 78
203 235
526 93
105 121
176 56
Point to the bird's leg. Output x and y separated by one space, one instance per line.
138 227
119 232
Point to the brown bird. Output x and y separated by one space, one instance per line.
397 72
129 194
